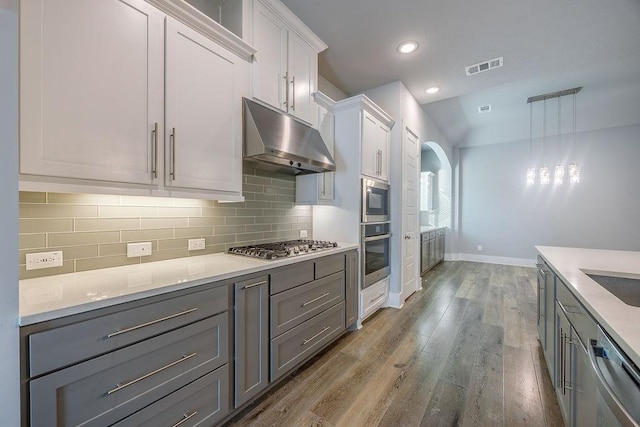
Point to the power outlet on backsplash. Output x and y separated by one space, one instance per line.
303 234
196 244
39 260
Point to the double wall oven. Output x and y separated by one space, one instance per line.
375 232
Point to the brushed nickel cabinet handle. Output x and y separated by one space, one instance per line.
253 285
184 419
152 322
121 386
286 91
315 299
293 85
154 151
307 341
172 172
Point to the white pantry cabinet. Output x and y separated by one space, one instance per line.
317 188
375 147
285 67
93 101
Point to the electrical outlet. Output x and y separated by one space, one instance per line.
479 248
44 260
138 249
303 234
196 244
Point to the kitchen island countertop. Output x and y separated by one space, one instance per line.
52 297
620 320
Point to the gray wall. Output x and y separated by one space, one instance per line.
9 368
430 161
499 212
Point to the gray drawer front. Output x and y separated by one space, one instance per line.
329 265
66 345
290 277
579 318
147 371
203 402
292 307
294 346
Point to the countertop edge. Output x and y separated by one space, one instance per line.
568 275
176 282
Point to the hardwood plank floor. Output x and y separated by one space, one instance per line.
461 352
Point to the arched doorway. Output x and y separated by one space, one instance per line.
435 186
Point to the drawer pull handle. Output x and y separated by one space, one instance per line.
121 386
153 322
185 417
315 299
253 285
307 341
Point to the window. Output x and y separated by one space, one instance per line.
427 190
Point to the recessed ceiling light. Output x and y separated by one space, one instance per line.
408 46
432 90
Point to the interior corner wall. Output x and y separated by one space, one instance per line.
9 311
506 217
329 89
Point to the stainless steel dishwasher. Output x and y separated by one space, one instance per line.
618 383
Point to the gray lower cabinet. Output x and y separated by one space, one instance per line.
431 249
251 303
108 388
547 315
351 289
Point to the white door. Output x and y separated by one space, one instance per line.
203 131
91 89
410 219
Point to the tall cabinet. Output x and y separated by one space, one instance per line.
121 96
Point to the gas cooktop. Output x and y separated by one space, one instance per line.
276 250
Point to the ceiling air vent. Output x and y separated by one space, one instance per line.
484 66
484 109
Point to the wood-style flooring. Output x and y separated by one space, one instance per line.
462 351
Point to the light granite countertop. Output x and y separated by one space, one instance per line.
620 320
51 297
425 228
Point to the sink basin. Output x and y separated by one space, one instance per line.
624 288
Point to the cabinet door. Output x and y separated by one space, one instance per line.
326 126
370 146
203 110
91 89
584 386
384 144
351 291
251 338
269 69
303 71
563 358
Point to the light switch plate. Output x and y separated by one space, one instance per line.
39 260
138 249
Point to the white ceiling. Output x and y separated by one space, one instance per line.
547 45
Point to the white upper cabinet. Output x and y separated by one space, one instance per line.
91 89
317 188
376 137
285 67
203 112
116 96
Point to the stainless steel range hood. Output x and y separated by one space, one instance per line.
278 139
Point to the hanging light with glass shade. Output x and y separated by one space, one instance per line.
544 170
558 174
574 171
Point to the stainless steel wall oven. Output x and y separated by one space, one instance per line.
376 247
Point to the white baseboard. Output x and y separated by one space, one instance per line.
395 300
520 262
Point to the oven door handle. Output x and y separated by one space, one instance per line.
374 238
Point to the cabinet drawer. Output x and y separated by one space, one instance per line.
579 318
66 345
108 388
295 345
373 297
292 307
329 265
203 402
291 276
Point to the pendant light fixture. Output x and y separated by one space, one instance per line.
559 171
574 171
544 170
